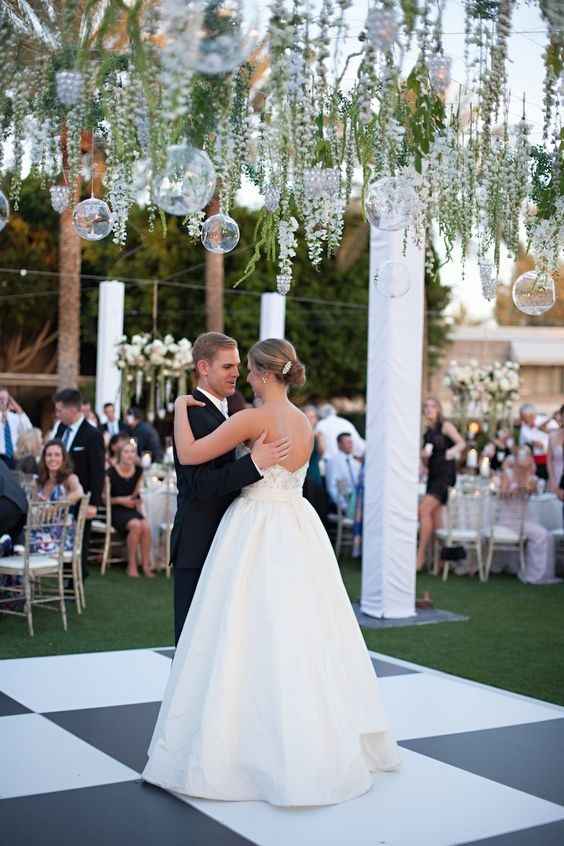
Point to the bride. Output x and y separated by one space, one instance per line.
272 695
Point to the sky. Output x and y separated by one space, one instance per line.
525 75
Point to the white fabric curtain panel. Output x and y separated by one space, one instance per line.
393 431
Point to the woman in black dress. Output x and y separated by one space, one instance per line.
442 445
126 478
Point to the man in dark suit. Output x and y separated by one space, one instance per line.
85 446
13 507
145 434
206 490
113 425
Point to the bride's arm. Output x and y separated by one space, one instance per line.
241 427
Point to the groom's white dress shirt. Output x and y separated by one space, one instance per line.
221 404
341 467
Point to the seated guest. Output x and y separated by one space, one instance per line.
503 444
146 435
518 480
114 445
28 451
13 510
342 468
13 421
112 425
126 479
331 425
56 481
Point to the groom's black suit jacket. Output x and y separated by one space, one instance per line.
205 491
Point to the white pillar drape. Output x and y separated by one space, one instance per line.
395 345
272 316
110 331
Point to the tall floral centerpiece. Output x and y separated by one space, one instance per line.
500 389
463 380
153 368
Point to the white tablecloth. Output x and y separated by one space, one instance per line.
159 505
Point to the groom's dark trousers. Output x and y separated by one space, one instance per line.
204 493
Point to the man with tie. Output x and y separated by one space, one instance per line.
85 446
145 435
342 467
112 425
13 421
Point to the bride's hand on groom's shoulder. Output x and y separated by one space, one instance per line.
187 401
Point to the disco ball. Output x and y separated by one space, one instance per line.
534 292
220 233
187 182
392 279
60 197
92 219
4 211
230 31
390 202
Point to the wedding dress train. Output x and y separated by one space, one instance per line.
272 695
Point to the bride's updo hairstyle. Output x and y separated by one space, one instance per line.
279 358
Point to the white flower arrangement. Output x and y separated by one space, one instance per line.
153 362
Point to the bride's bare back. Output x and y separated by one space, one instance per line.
281 418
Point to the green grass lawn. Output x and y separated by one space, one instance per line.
514 638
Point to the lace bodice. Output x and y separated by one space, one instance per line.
277 483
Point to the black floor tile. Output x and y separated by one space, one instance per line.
551 834
122 731
9 707
387 668
527 757
168 653
125 814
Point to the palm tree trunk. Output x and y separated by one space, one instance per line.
68 351
214 283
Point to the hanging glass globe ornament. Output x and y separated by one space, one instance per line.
187 182
220 233
439 72
4 211
283 283
488 280
390 203
271 198
392 279
534 292
60 197
92 219
229 32
69 86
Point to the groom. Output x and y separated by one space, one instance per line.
206 490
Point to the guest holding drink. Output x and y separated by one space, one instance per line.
126 479
442 445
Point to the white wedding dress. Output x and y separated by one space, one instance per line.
272 695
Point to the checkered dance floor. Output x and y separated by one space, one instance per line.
479 765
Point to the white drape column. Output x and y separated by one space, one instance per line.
272 316
110 330
395 345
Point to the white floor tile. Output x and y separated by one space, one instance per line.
424 705
93 680
39 757
426 803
